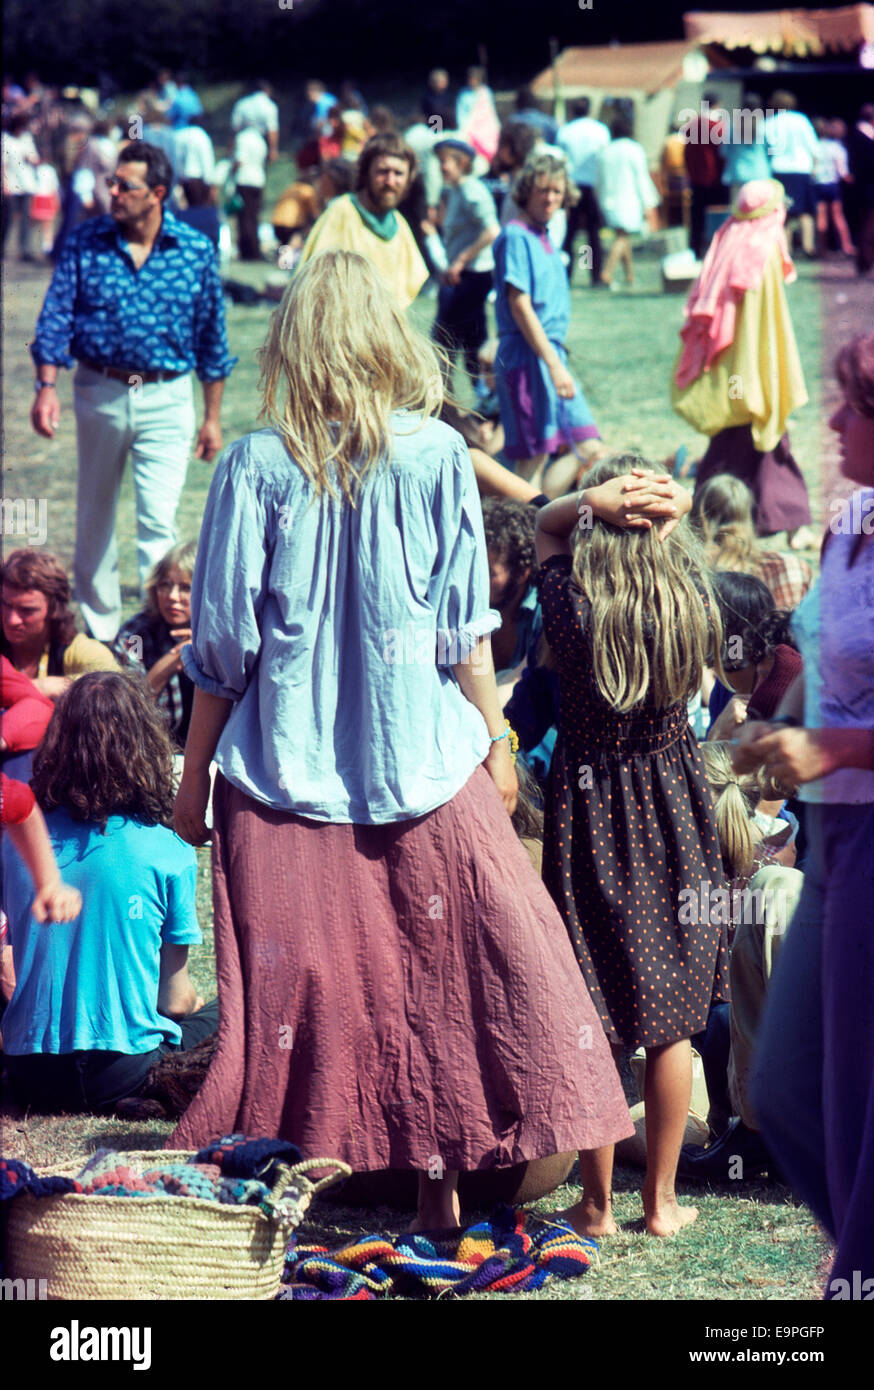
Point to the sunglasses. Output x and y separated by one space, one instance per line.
124 186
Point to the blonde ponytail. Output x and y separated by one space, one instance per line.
734 803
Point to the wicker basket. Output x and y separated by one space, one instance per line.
160 1247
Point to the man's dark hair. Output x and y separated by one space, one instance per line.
376 147
582 107
526 100
158 167
622 126
509 528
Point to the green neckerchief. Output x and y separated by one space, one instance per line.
384 227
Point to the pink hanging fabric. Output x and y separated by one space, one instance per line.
734 264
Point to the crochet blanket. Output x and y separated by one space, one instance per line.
510 1252
233 1170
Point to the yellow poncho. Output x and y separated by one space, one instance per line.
398 261
757 380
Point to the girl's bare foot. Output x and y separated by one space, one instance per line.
664 1216
588 1219
439 1208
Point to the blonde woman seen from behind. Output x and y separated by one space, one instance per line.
420 1007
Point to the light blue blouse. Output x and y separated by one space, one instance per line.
333 629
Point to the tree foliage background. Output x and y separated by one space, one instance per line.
74 40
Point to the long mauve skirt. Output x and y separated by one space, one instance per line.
396 994
775 480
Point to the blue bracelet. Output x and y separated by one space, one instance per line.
497 738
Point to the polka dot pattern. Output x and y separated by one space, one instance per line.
629 828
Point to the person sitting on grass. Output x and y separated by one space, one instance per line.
759 656
509 530
722 514
39 631
152 640
97 1002
758 855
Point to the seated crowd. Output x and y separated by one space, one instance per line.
99 892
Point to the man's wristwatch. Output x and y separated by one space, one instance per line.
41 385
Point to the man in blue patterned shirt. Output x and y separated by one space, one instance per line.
136 300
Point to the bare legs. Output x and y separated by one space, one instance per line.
563 473
666 1093
593 1213
620 251
823 209
532 469
438 1208
808 232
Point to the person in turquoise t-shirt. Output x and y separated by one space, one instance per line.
98 999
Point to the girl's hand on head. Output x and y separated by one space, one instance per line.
655 489
633 500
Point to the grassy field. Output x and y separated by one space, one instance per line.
751 1241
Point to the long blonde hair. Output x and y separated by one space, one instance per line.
339 357
722 514
734 802
651 628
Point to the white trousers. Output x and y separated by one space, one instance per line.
154 423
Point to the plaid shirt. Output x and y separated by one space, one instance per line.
787 576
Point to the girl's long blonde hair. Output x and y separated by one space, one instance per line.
653 632
735 799
722 514
339 357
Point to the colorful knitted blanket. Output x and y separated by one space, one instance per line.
510 1252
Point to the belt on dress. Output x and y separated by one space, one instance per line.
129 373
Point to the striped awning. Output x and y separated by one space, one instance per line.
791 33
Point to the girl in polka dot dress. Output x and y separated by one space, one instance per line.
629 830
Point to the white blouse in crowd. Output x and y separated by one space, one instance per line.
623 184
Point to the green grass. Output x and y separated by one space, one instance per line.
749 1242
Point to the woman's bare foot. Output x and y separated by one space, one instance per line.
664 1216
588 1219
439 1208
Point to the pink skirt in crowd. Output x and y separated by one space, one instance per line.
400 995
